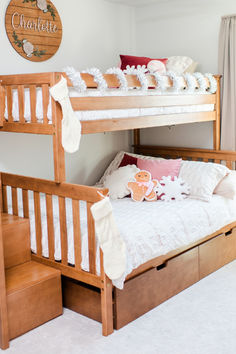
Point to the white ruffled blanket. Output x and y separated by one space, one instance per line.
148 229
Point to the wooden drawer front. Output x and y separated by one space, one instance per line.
85 300
151 288
216 253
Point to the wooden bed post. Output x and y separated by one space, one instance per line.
4 335
58 151
136 133
217 122
106 301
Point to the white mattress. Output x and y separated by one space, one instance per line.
103 114
149 229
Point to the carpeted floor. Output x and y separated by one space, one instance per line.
200 320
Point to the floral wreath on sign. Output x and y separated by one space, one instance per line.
43 6
27 47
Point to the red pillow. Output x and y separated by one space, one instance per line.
133 60
128 160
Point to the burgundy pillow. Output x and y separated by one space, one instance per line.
128 160
133 60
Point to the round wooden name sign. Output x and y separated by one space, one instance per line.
34 28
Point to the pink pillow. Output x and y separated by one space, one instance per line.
158 169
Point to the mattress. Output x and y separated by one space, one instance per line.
103 114
148 229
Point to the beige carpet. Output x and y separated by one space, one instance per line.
200 320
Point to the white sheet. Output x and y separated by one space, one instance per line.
148 229
104 114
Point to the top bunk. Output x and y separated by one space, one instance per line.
26 105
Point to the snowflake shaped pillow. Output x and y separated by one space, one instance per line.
169 189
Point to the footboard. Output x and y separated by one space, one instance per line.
18 200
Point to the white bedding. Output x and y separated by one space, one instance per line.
148 229
103 114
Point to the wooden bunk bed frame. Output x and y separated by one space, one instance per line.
86 291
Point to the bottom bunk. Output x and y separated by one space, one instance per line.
149 289
165 255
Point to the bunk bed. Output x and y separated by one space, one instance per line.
91 292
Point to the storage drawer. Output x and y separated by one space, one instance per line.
151 288
217 252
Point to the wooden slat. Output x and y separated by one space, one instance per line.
4 199
106 125
25 203
38 226
77 233
33 103
71 272
205 160
69 190
4 333
189 152
63 230
21 103
2 105
91 240
125 102
9 104
217 161
14 201
50 226
229 164
26 79
32 128
45 94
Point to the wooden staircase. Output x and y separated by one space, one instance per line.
30 293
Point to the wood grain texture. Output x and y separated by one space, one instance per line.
26 22
33 296
4 332
16 240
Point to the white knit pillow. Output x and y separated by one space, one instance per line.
202 177
117 181
227 186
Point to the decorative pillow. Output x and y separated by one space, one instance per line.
117 182
117 162
128 160
180 64
172 189
143 187
202 177
158 169
133 60
227 186
156 66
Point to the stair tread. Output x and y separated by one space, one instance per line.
8 219
26 275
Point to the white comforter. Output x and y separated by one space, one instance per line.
149 229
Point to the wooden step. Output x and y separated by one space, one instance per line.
33 296
16 240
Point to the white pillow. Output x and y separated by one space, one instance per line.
179 64
116 163
227 186
117 181
202 177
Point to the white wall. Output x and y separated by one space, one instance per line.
94 34
182 27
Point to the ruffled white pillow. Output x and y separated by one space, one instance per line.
117 181
227 186
202 177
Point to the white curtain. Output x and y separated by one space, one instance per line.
227 68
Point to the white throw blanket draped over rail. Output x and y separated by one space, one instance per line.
71 126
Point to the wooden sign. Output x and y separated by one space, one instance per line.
34 28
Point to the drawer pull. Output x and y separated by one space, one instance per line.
161 266
229 233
